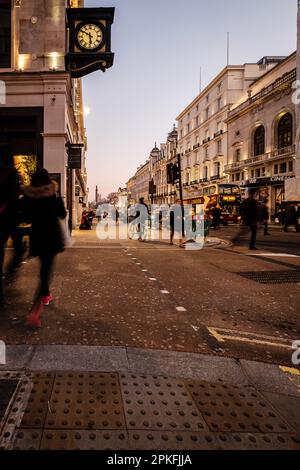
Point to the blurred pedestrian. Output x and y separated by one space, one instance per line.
249 213
9 208
291 218
43 208
85 223
91 216
216 214
263 216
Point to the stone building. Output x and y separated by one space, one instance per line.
42 113
261 134
202 128
138 185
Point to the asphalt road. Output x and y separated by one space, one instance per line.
151 295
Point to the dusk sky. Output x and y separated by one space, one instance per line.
159 48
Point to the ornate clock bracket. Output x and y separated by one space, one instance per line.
80 61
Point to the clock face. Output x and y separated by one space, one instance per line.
90 36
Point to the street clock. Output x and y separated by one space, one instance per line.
89 31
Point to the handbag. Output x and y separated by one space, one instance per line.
67 239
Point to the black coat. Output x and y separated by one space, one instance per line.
250 211
43 208
9 197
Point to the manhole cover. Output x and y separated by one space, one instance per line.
7 389
272 277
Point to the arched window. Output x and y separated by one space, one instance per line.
259 141
285 131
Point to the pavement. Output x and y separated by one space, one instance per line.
150 346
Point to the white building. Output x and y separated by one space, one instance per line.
202 128
262 135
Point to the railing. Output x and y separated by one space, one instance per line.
279 83
205 141
217 134
275 154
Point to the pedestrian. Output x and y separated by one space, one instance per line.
91 216
249 213
44 209
291 218
99 213
216 214
144 220
263 216
9 208
84 223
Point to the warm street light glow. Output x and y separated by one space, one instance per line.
87 111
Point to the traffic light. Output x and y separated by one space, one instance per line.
172 173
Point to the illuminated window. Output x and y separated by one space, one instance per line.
285 131
259 141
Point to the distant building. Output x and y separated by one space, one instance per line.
202 128
262 133
43 109
138 186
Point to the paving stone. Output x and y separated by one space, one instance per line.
27 439
258 441
159 403
235 409
166 440
84 440
288 407
17 357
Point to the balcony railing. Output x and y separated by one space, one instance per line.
217 134
281 83
205 141
265 158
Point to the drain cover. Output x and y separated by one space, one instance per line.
235 409
272 277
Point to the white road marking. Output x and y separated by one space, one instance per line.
166 292
274 255
152 279
223 334
181 309
195 328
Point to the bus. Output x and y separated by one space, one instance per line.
227 196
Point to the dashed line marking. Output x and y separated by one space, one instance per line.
165 292
152 279
274 255
181 309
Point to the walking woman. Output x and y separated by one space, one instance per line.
9 208
43 208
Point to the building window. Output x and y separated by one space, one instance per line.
232 178
207 98
285 131
263 171
237 177
188 128
257 173
219 104
197 121
238 155
5 34
291 166
206 153
219 146
207 113
217 169
219 87
275 169
205 173
252 173
243 176
259 141
283 167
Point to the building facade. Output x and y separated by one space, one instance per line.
138 185
43 110
261 135
202 127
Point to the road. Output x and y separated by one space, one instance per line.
154 296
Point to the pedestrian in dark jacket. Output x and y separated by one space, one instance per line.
249 213
291 218
43 208
216 216
9 206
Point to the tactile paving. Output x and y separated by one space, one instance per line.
158 403
245 441
27 439
37 405
84 440
86 401
166 440
235 409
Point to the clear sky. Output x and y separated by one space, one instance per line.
159 47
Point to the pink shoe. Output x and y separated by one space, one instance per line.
46 300
34 318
